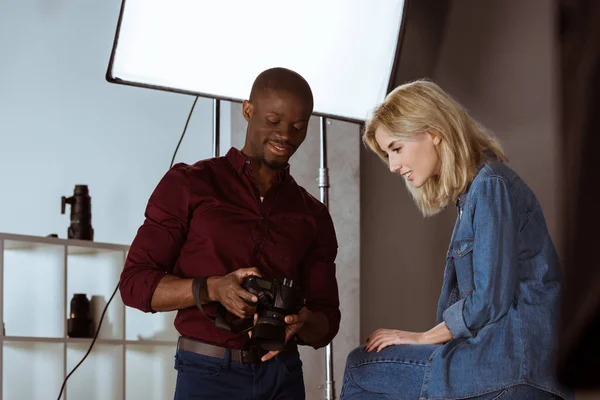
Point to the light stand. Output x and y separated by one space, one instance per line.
324 189
216 127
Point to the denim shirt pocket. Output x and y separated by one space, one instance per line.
462 256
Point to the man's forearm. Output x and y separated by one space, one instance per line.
174 293
315 328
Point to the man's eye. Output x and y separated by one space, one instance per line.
272 122
397 150
299 127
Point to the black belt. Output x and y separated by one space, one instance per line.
247 356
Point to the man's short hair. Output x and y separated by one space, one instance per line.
285 80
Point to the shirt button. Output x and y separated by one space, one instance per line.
247 161
458 251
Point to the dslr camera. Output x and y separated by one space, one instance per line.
277 298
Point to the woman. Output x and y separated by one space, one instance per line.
496 313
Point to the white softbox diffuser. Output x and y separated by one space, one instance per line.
345 48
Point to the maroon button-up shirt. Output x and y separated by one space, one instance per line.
207 219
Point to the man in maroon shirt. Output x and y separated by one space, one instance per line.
210 225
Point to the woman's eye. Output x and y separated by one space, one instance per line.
397 150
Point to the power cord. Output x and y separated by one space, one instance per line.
184 130
91 345
62 388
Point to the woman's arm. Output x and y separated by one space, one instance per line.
494 258
382 338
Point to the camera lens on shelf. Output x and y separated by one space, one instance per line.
79 324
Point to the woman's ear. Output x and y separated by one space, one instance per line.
435 137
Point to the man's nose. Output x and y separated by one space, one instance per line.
284 132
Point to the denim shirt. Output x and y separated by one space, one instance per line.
500 295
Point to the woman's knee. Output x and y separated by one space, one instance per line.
356 356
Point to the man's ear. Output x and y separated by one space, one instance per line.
247 110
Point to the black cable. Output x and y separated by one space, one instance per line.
62 388
91 345
184 130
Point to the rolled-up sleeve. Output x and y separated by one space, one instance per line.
158 242
319 281
495 260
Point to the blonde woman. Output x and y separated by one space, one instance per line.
496 324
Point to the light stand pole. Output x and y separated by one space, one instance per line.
216 127
324 189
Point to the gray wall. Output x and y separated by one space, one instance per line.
498 58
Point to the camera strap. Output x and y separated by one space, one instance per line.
237 326
220 319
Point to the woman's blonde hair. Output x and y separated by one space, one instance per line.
422 106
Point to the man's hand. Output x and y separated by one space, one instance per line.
294 322
228 291
382 338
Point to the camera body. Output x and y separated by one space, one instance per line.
277 298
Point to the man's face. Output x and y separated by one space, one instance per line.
277 125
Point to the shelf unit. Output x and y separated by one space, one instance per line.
133 355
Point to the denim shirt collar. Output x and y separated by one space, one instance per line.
463 196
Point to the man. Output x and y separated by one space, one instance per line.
210 225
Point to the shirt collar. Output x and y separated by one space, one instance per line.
463 196
241 163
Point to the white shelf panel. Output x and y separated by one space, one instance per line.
27 245
30 339
26 241
32 371
134 354
150 372
96 274
147 326
33 289
100 376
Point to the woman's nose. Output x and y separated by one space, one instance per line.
395 167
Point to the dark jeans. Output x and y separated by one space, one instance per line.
203 377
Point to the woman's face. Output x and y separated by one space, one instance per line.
416 157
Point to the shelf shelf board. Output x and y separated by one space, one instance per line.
17 242
34 339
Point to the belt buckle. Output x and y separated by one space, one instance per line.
246 356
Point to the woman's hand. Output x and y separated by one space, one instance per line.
382 338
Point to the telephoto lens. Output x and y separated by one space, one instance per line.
81 213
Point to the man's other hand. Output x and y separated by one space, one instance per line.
294 322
